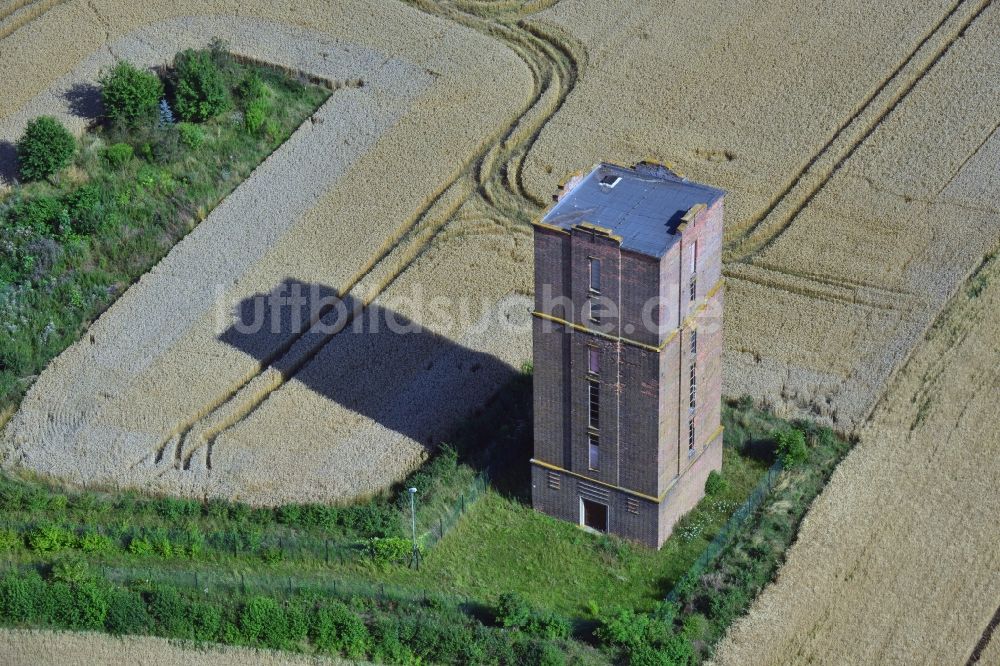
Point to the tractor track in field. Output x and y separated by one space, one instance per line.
16 14
491 181
753 237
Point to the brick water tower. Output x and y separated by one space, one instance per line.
627 350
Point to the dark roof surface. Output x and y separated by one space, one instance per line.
643 207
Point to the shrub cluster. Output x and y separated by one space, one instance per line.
200 91
513 612
791 447
45 148
117 155
70 597
131 96
255 102
715 483
390 550
646 638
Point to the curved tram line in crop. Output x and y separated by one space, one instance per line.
750 239
491 181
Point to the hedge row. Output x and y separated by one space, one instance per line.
68 597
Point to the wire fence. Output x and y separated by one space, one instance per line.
439 524
245 541
248 583
728 531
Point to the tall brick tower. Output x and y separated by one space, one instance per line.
627 350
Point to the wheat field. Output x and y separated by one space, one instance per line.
897 561
858 142
27 647
141 399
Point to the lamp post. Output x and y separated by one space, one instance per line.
415 557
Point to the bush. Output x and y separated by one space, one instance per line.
94 543
118 155
336 628
391 550
84 207
131 96
192 136
140 546
44 215
255 114
542 653
200 92
170 611
49 538
791 447
263 621
20 597
127 613
715 483
79 605
387 645
371 519
255 101
72 570
513 612
205 620
45 148
442 640
10 540
173 508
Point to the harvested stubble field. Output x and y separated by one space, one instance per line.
859 147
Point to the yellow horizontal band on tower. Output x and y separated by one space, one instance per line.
687 322
635 493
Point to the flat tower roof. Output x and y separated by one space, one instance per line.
643 205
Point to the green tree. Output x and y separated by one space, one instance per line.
715 483
200 92
131 96
45 148
791 446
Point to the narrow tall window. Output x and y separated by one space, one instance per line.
594 453
691 436
593 360
693 388
594 306
595 405
694 271
595 275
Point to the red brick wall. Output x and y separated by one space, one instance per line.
690 489
644 394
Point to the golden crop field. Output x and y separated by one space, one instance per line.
27 647
897 562
858 143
